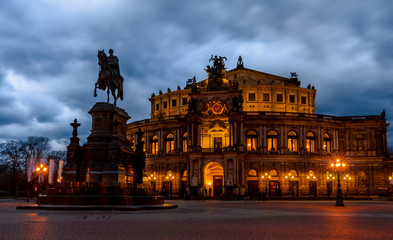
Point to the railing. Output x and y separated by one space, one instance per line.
262 114
144 121
309 115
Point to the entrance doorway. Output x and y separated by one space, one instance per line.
252 188
293 188
274 188
313 188
217 186
214 179
329 187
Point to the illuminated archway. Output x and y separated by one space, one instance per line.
214 179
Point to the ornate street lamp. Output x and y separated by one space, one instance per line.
338 166
40 170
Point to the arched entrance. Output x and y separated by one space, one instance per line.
214 180
252 182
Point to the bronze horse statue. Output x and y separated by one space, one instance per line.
109 77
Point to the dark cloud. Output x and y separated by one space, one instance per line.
48 62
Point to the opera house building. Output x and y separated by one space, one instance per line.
243 133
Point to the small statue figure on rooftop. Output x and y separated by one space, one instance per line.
240 63
293 75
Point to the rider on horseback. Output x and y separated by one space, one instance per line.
109 76
113 63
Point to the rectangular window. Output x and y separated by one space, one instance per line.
251 97
174 102
266 97
165 104
291 98
303 99
157 106
184 101
279 97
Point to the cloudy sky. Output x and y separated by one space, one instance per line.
48 54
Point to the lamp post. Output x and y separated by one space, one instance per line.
338 167
311 179
266 177
40 170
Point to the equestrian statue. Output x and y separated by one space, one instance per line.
109 77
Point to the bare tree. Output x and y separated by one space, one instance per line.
13 155
37 148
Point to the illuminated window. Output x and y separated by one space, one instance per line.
293 174
184 142
154 145
132 143
252 173
292 142
272 138
310 142
326 143
251 138
169 143
143 144
251 97
266 97
273 173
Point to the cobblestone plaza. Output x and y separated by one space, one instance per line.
206 220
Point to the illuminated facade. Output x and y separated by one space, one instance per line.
247 133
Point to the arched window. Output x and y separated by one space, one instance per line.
310 142
143 144
169 143
154 145
327 146
184 176
272 138
292 142
251 138
293 175
273 173
184 142
252 173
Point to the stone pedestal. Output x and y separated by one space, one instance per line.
104 171
107 156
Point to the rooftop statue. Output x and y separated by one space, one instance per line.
240 63
109 77
218 68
